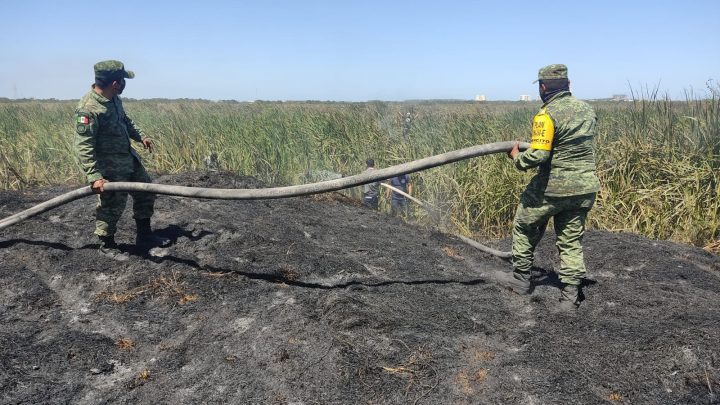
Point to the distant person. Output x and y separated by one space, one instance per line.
371 191
564 187
212 162
103 134
398 202
407 121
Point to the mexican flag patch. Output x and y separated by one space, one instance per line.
82 119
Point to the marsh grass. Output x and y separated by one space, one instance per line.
658 160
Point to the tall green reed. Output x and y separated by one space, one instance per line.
658 159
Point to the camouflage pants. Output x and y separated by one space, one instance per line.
569 214
110 206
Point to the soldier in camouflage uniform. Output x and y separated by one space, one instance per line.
564 187
103 133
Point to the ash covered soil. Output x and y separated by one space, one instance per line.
317 300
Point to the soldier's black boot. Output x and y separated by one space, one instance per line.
569 297
108 245
145 238
110 249
520 282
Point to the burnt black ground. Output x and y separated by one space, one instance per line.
317 300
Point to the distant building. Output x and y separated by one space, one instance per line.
619 97
524 97
480 97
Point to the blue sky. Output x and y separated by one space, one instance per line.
357 50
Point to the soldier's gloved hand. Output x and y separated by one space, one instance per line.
97 186
148 144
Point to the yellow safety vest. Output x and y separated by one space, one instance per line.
543 131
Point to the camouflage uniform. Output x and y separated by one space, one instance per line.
103 133
564 187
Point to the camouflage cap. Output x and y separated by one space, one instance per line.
112 69
549 72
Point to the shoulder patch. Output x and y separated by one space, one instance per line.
82 120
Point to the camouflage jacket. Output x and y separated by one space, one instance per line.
569 167
103 132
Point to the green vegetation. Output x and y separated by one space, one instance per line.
658 160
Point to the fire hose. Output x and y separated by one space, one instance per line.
273 192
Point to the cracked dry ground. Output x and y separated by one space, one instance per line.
317 300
